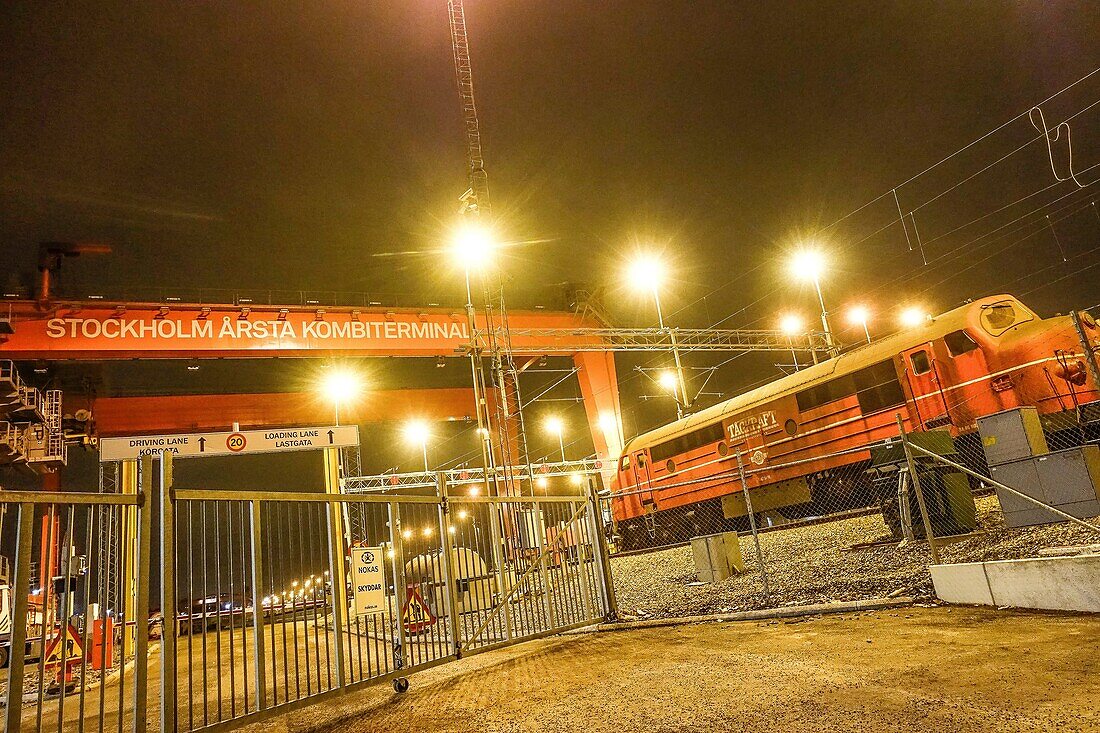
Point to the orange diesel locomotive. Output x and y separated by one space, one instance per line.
989 355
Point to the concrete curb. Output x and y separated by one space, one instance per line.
817 609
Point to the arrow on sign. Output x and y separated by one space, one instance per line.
330 434
202 445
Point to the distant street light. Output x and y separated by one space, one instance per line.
417 433
859 315
647 273
809 264
913 316
791 325
555 426
340 386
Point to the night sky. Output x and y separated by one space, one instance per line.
286 146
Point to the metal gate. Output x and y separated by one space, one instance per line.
266 616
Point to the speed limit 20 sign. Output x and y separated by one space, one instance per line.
236 442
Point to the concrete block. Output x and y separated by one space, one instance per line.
717 556
962 583
1051 583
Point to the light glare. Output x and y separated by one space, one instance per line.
808 264
340 385
913 316
646 273
554 425
791 325
473 246
417 432
667 380
858 315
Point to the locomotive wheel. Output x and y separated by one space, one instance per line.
401 685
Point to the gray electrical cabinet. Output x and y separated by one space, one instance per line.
1068 480
1011 435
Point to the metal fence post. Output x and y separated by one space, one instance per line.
258 608
21 586
167 598
544 576
495 511
913 475
399 592
607 584
337 559
141 593
447 549
337 573
752 526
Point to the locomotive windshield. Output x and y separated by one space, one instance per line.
1003 315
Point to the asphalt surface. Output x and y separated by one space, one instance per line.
913 669
910 669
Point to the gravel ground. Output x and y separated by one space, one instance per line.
919 670
815 564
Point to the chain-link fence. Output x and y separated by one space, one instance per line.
852 524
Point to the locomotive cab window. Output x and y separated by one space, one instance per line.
959 343
624 464
920 361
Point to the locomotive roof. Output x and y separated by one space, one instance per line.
848 362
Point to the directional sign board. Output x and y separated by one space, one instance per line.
233 443
367 583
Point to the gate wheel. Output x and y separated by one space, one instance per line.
401 684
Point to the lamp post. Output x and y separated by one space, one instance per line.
859 315
646 273
791 325
340 386
417 433
555 426
809 264
473 247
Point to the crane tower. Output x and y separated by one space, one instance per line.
476 198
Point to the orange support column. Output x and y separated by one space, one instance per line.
600 390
